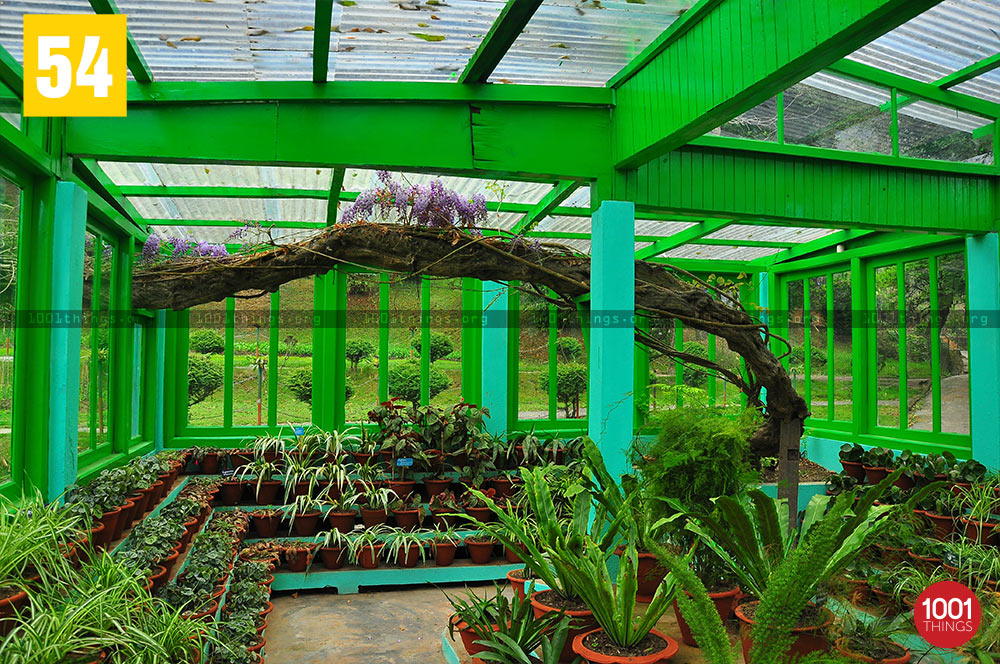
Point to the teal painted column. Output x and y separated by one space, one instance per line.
494 354
610 399
161 364
764 300
70 211
983 269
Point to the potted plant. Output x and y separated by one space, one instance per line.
878 462
981 503
445 541
444 509
837 484
298 554
869 641
260 474
303 515
365 448
480 547
720 583
342 512
404 548
407 512
851 455
476 507
366 546
943 511
208 459
375 510
926 554
302 474
333 544
266 521
964 474
335 478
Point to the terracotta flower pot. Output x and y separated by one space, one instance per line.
649 575
372 518
843 647
407 519
981 532
512 556
503 485
158 577
305 525
298 560
301 489
361 458
230 492
484 514
580 622
943 525
854 469
724 603
368 557
99 535
155 495
207 614
266 525
240 458
124 520
403 488
858 591
892 555
669 649
439 518
926 564
332 557
434 486
480 551
110 520
523 587
468 636
169 561
808 639
875 474
342 521
444 553
9 607
209 464
412 556
268 492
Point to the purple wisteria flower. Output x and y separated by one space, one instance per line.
151 248
424 205
178 246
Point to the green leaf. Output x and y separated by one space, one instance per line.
426 37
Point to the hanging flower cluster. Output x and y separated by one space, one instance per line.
156 248
419 205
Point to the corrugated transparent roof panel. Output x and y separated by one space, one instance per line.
769 233
567 224
584 43
719 252
760 123
579 198
13 118
224 234
216 175
12 19
985 86
502 220
945 38
583 246
407 40
930 131
833 112
231 209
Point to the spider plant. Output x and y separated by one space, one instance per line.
983 646
333 539
345 502
260 470
369 538
378 498
302 505
264 444
338 442
302 467
33 538
910 581
370 472
399 542
336 474
981 501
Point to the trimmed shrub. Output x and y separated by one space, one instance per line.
571 383
300 385
204 378
569 349
441 346
695 376
357 350
207 342
404 382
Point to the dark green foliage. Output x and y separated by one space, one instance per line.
569 349
797 357
571 383
693 375
207 342
441 346
300 385
699 453
404 382
204 378
357 350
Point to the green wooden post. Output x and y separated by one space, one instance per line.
383 337
321 322
513 355
159 437
983 270
336 359
272 361
494 355
863 347
472 340
70 210
425 341
612 308
551 366
228 364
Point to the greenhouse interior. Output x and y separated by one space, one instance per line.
512 331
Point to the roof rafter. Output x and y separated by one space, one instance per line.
806 248
11 73
677 239
104 185
136 63
322 27
512 20
335 195
675 96
955 78
544 207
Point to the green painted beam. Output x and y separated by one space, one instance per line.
321 40
806 248
956 78
136 63
233 223
678 239
559 193
927 91
721 242
103 184
23 154
735 56
194 92
221 192
335 195
11 73
512 20
750 187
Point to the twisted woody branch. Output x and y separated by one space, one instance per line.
448 252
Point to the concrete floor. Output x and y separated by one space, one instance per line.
401 626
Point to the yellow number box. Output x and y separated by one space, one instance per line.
74 65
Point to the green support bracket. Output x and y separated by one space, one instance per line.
544 207
955 78
335 194
136 63
512 20
678 239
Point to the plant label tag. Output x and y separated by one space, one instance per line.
228 473
404 462
299 431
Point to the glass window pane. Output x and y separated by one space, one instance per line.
796 335
533 359
929 131
446 341
206 364
954 336
404 331
918 398
843 331
760 123
662 393
10 206
252 329
105 349
295 352
363 358
831 112
138 350
887 346
818 378
87 336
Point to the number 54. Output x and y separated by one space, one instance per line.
59 85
